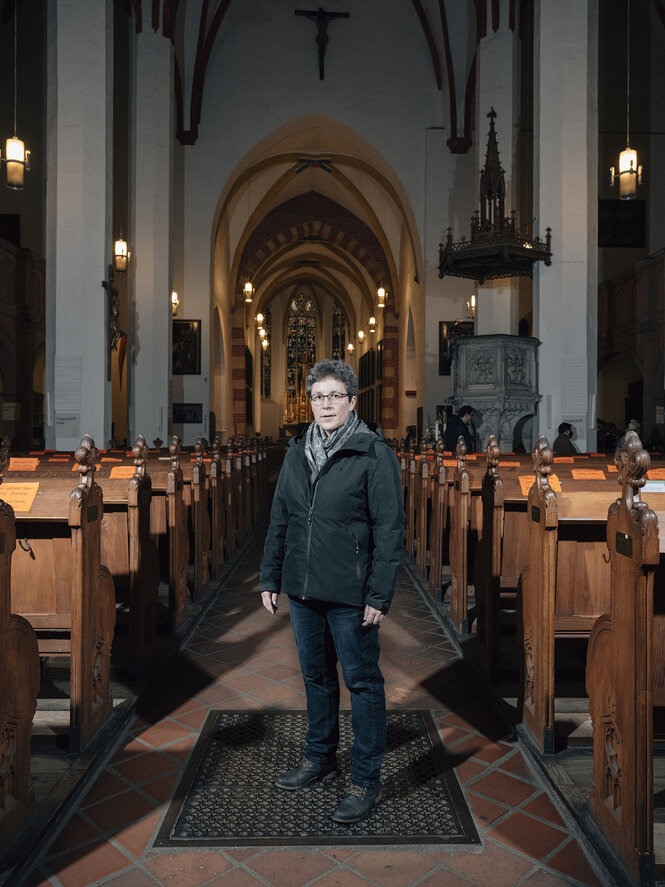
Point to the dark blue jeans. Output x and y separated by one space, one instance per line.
326 633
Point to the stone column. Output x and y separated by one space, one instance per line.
150 237
498 79
78 226
566 199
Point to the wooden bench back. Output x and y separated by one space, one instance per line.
19 685
60 585
625 664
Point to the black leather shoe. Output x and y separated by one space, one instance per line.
357 804
305 774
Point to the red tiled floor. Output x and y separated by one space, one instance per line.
187 869
516 765
391 868
88 865
236 878
503 788
163 733
485 811
340 878
132 878
119 811
162 789
527 835
289 868
571 861
76 831
495 866
135 837
144 767
466 770
107 784
545 879
444 879
479 747
542 807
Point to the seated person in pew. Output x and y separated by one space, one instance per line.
563 445
459 426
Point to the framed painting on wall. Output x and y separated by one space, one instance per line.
186 350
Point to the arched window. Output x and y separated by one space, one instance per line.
266 347
338 349
300 356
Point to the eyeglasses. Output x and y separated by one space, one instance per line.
334 398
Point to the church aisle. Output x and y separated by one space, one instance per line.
239 657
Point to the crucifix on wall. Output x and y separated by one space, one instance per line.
322 18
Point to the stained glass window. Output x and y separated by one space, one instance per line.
300 356
338 333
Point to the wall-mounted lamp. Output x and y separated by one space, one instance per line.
121 254
17 156
372 324
259 319
349 347
470 307
361 335
381 296
261 332
630 172
264 344
175 303
249 291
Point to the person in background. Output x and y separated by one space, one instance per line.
563 445
410 437
459 426
338 503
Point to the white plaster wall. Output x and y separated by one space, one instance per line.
263 74
79 222
565 294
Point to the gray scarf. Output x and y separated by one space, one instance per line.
320 446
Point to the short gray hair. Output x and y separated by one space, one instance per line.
332 369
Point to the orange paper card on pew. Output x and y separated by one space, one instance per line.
567 459
588 474
121 471
656 474
612 468
17 464
111 459
19 496
526 482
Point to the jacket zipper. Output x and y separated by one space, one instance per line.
309 538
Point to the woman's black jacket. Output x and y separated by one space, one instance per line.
340 539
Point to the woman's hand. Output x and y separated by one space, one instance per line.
269 599
372 616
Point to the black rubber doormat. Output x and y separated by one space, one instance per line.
227 796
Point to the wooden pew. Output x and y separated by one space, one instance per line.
564 589
625 676
410 503
130 553
128 550
438 522
217 504
200 523
465 531
19 685
61 587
